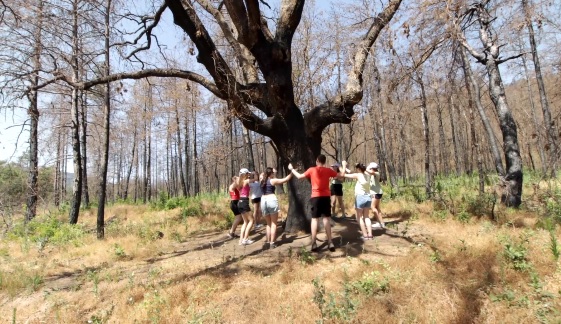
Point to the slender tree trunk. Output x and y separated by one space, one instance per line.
443 150
455 135
106 128
426 138
33 113
552 135
537 127
248 149
134 157
196 186
83 138
473 88
183 183
58 173
75 116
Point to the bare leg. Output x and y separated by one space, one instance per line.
341 205
360 220
274 218
314 229
377 212
249 225
237 221
327 226
244 226
333 204
268 230
367 222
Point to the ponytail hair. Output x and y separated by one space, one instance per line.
268 173
361 167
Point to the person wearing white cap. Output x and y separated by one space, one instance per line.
243 206
363 200
256 193
376 192
336 189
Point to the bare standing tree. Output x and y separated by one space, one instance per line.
552 137
490 57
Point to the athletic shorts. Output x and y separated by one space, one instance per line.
256 200
363 201
336 189
234 207
378 196
269 205
321 207
243 205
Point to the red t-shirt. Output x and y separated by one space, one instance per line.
319 177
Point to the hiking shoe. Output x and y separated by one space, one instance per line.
247 242
258 226
377 225
272 245
364 238
232 235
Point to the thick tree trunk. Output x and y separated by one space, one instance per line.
513 179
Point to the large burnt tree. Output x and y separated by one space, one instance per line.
260 77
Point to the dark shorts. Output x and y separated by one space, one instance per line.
256 200
234 207
378 196
336 189
243 205
321 206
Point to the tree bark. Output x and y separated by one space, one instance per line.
106 127
33 113
75 116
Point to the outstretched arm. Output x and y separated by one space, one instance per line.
275 182
296 173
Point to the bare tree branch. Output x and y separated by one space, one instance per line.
340 108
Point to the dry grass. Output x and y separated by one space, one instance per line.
424 270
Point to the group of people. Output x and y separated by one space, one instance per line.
327 191
265 203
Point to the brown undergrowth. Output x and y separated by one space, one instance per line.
422 269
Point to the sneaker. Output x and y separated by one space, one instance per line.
377 225
247 242
364 238
272 245
232 235
258 226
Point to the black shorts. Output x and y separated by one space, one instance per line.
321 206
243 205
378 196
256 200
336 189
234 207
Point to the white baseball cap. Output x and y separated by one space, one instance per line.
372 165
244 171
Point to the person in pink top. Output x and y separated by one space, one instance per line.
243 206
321 196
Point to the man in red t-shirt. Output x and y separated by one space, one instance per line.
321 196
